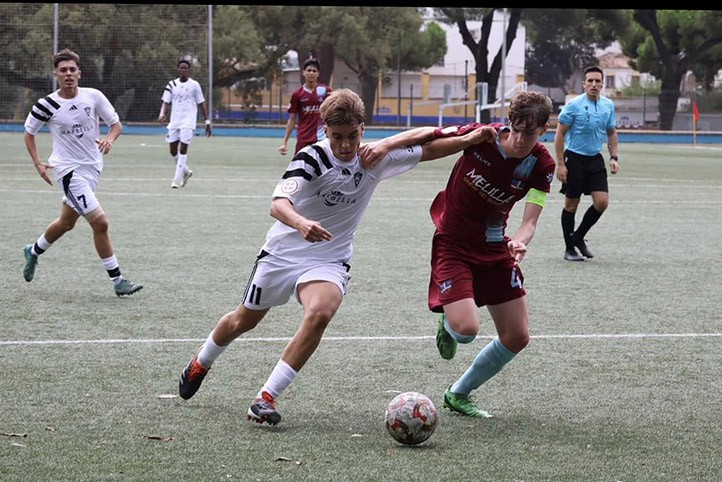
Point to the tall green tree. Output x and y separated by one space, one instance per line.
553 54
669 43
367 39
486 71
129 51
373 39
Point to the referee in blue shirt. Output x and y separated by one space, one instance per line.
584 123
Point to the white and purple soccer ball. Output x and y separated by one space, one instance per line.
411 418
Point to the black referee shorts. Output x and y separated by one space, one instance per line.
585 175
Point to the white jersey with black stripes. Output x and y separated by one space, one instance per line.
75 127
334 193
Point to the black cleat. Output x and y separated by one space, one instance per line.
581 245
191 379
572 255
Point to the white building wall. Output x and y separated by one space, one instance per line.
459 60
448 78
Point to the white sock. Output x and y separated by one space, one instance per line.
281 377
183 161
209 352
178 172
42 244
111 266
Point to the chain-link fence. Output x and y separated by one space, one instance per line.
127 51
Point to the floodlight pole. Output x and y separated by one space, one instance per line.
503 64
210 62
56 27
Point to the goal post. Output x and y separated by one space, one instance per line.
482 102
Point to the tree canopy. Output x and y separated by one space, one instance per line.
131 50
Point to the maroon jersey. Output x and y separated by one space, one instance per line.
483 186
305 105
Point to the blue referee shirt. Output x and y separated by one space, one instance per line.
588 123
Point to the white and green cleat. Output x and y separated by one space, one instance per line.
464 405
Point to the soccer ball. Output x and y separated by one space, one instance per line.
411 418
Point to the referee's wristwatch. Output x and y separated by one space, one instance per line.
613 158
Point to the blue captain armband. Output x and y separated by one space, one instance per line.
535 196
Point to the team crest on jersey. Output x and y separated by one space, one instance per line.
87 111
357 178
550 177
289 186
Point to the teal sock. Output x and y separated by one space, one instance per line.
456 336
490 360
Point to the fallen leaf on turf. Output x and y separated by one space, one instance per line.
357 435
282 459
158 437
10 434
50 429
19 445
167 395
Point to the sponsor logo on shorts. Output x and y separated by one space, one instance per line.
445 286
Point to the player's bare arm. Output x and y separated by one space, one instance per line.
105 145
446 146
612 145
290 125
204 111
559 151
523 236
372 153
312 231
41 167
161 114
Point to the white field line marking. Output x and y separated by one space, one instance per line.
707 202
647 182
348 338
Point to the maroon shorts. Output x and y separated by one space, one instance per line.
458 273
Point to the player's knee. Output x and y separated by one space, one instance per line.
237 324
66 224
100 225
465 332
516 342
319 317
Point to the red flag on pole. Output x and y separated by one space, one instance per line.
695 111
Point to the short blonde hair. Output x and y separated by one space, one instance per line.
343 107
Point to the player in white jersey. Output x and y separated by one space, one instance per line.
183 96
318 205
73 114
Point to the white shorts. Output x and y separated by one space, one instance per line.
183 135
273 281
79 189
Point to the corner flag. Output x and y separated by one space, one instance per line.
695 111
695 116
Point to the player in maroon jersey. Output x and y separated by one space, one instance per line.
304 107
473 261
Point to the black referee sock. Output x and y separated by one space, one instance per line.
568 228
590 219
